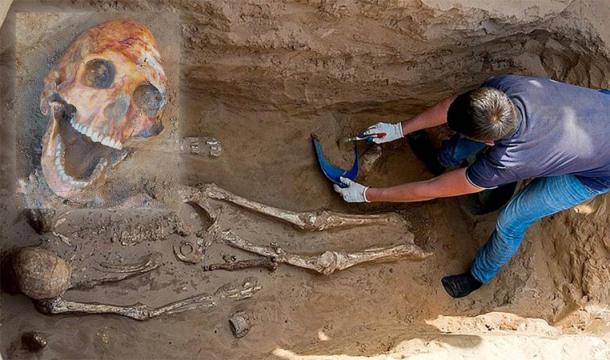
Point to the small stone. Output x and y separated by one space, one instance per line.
33 341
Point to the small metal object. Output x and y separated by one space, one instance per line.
239 324
268 263
188 251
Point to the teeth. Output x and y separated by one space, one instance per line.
59 166
111 143
90 133
99 168
59 157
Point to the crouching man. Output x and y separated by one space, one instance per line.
521 128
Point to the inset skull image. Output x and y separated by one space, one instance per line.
104 93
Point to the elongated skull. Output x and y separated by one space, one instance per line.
103 94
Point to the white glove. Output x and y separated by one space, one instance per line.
392 132
353 193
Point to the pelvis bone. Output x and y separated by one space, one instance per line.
103 94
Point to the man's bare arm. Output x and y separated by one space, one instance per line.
453 183
434 116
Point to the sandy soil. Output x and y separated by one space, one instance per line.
261 76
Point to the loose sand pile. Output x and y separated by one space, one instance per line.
261 76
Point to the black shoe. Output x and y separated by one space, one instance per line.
488 201
424 150
460 285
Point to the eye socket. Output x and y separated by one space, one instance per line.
148 99
99 73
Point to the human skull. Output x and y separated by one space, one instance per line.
104 94
40 274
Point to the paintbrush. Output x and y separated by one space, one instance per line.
342 142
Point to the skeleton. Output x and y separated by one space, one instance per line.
45 277
103 95
47 287
326 263
191 252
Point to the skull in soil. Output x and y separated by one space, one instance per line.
104 93
40 274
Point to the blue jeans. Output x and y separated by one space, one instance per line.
541 198
458 149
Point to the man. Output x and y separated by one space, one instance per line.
526 127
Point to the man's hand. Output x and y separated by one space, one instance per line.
353 193
384 132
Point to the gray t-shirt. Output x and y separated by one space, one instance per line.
563 129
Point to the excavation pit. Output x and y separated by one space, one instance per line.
261 77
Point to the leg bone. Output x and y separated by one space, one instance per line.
143 312
309 220
329 261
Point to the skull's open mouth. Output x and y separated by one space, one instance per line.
75 156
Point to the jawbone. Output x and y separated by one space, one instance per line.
53 167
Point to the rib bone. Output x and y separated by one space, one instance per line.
329 261
118 272
309 220
141 311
